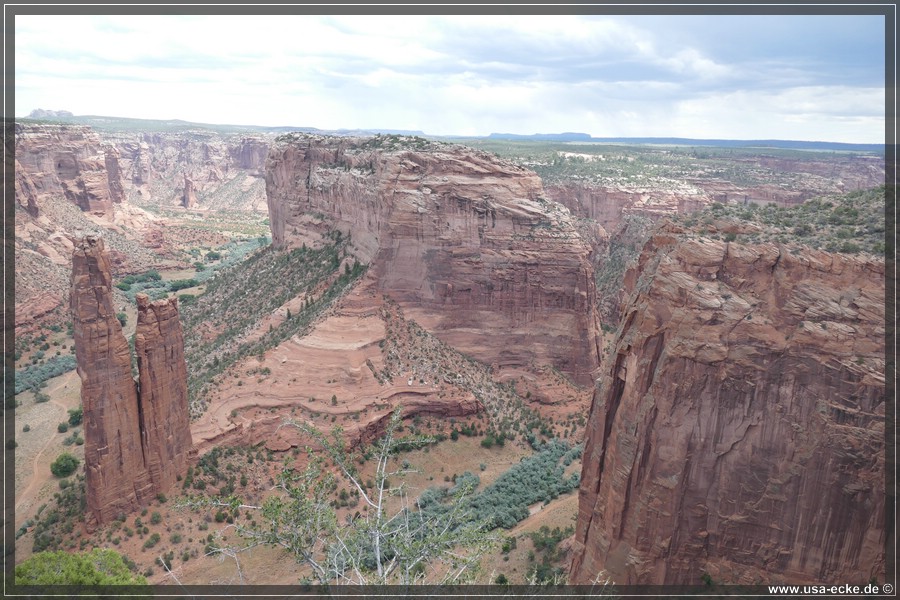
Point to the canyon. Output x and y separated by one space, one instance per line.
733 394
738 430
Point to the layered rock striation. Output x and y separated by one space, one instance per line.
137 440
466 243
738 430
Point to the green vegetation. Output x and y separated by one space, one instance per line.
75 416
538 478
97 567
54 530
546 543
849 223
64 465
32 376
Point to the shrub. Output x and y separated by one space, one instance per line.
155 518
64 465
62 427
75 416
97 567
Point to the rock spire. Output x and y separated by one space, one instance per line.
131 454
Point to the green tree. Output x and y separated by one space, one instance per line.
64 465
97 567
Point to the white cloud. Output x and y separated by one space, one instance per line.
608 76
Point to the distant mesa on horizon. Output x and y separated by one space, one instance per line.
107 122
40 113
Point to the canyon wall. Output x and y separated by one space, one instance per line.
738 430
194 169
465 242
608 204
71 161
136 440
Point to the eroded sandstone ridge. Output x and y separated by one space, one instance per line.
133 443
738 430
465 242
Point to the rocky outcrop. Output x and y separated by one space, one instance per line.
69 160
738 430
26 192
135 444
166 433
188 197
465 242
116 478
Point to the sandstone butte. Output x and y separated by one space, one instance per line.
738 430
136 440
465 242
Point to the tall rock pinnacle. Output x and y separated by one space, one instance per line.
135 443
116 476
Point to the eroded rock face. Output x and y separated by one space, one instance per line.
70 160
466 243
225 171
608 205
135 444
188 196
739 428
116 477
159 345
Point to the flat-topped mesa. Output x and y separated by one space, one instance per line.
159 345
136 443
738 430
464 241
116 478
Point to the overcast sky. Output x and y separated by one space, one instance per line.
744 77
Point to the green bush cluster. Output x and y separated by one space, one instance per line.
537 478
97 567
32 376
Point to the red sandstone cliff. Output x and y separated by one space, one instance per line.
70 160
135 444
465 242
116 478
738 429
